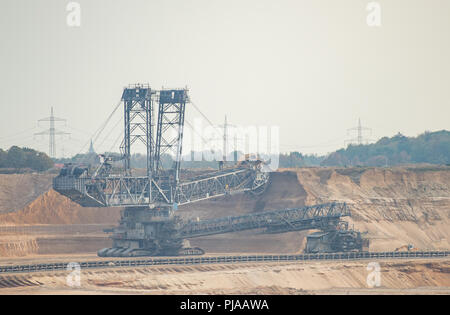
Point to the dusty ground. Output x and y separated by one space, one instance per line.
397 276
18 190
396 206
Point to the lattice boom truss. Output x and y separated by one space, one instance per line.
133 191
160 188
324 217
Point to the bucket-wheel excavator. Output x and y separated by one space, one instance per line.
149 225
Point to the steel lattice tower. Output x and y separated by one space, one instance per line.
172 104
52 132
138 118
360 139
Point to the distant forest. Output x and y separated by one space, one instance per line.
429 147
24 158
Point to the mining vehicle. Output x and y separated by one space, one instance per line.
149 224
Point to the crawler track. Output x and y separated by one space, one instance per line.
220 260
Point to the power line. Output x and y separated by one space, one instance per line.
17 134
226 128
107 137
52 132
360 139
204 116
99 131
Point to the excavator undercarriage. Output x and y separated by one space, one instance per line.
145 232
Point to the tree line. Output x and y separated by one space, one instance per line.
429 147
24 158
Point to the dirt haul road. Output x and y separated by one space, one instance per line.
400 277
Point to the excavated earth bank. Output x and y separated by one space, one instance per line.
396 206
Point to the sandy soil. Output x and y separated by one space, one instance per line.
53 208
405 277
18 190
396 206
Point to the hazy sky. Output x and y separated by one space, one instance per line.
310 67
